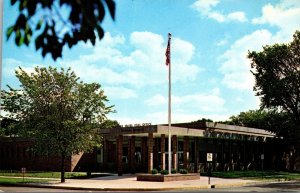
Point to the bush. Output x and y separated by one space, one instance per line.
173 171
183 171
164 172
154 171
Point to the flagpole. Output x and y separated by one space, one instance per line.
1 30
169 106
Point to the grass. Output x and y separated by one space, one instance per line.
68 175
264 175
41 174
15 177
13 181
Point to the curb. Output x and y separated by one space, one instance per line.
129 189
252 183
210 186
105 189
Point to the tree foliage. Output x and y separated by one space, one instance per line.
7 127
109 124
57 111
55 23
277 78
203 120
276 122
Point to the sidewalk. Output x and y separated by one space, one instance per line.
129 183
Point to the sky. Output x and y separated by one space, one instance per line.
211 75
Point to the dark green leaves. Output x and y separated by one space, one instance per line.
57 110
9 31
60 113
39 24
277 77
21 21
53 28
112 7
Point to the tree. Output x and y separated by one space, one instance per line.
55 23
203 120
7 128
57 111
109 124
277 79
276 122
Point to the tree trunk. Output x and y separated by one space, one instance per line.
62 169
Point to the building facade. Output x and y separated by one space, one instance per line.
141 148
16 153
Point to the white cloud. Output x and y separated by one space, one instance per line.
161 117
199 102
205 5
28 70
104 75
10 65
156 100
205 8
239 99
125 120
234 63
139 63
107 51
237 16
148 42
107 41
217 16
284 15
114 92
216 91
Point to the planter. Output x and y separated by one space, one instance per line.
167 178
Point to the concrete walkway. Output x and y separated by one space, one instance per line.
129 183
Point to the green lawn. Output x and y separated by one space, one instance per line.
13 181
68 175
257 175
42 174
263 175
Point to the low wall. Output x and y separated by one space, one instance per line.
167 178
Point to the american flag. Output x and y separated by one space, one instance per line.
168 51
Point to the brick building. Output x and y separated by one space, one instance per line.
141 148
15 153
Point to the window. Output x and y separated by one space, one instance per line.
138 155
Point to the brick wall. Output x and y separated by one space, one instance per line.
15 154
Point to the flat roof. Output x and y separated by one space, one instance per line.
196 129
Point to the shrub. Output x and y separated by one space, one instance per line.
154 171
164 172
173 171
183 171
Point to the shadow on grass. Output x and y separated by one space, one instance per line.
283 185
89 176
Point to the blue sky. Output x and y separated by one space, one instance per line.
210 71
